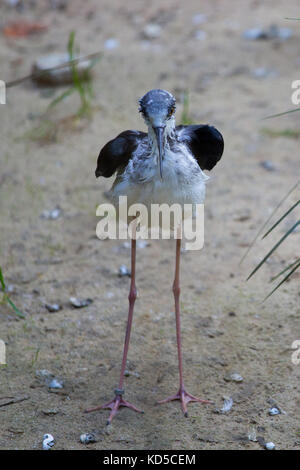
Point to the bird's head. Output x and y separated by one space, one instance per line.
158 108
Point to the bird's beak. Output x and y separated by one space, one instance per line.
159 132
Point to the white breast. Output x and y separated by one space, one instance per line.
183 181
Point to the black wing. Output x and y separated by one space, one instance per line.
117 152
205 142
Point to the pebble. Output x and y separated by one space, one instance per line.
273 32
268 165
123 271
270 445
142 244
252 435
227 405
111 43
274 411
55 384
87 438
199 18
50 412
48 441
60 75
128 373
52 214
234 377
53 307
152 31
262 72
77 303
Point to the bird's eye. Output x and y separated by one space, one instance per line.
171 111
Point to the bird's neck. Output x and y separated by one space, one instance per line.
168 134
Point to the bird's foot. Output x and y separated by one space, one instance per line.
185 398
114 406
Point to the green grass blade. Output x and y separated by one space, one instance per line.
61 97
281 218
283 280
281 114
7 299
17 311
2 280
285 269
268 220
185 116
273 249
70 45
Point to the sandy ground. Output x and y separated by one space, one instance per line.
226 327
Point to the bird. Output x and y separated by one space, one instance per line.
164 165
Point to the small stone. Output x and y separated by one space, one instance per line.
55 384
51 214
111 43
273 32
268 165
50 412
274 411
263 72
254 34
80 303
234 377
199 18
58 76
128 373
87 438
227 405
53 307
142 244
252 435
48 441
10 288
152 31
270 445
123 271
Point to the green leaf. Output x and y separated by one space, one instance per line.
17 311
283 280
281 114
281 218
273 249
61 97
285 269
268 220
7 299
2 280
185 116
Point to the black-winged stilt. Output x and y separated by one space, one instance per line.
163 166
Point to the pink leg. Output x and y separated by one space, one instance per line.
182 394
118 401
